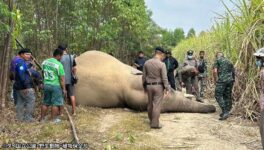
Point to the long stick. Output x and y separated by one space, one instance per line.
72 125
31 55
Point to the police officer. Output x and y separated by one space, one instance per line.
154 81
202 68
171 64
260 65
223 72
140 61
190 80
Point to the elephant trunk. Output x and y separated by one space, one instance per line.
181 104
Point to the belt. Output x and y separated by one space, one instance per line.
155 83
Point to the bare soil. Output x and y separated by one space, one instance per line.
126 129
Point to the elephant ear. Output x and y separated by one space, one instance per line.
136 72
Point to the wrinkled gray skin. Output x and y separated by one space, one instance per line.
106 82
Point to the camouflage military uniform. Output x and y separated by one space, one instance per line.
202 78
224 85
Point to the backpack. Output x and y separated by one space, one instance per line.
202 67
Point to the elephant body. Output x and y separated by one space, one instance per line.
106 82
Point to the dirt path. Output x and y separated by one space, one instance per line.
205 132
183 131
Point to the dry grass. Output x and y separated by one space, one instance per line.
100 129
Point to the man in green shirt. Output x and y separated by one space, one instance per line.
54 85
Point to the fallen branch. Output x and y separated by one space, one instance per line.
72 126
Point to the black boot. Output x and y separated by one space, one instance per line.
221 115
224 116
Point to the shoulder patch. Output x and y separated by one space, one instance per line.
21 68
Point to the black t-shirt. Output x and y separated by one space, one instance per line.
140 62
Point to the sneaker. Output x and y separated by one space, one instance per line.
74 114
57 121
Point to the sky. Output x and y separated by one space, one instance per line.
186 14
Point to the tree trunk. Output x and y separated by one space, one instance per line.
6 58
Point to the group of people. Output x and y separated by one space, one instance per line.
181 76
160 72
57 81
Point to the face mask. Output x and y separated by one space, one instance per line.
189 56
201 57
258 63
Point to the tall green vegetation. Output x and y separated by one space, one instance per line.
238 34
118 26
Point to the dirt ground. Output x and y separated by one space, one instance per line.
181 131
125 129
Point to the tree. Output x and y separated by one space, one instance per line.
120 26
191 33
178 35
6 48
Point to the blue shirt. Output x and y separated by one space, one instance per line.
23 79
13 64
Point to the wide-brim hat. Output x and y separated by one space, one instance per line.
259 52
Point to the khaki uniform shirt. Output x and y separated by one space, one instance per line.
155 71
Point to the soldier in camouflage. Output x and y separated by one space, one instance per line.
223 71
202 68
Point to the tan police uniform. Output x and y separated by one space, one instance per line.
155 80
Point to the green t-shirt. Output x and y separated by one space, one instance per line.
53 70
